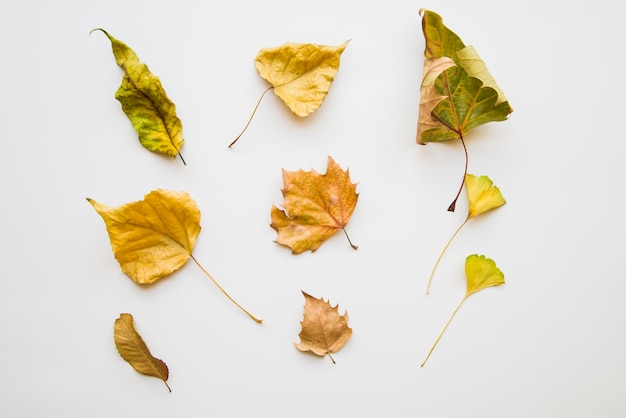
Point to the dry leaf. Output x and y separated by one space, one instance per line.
324 331
132 348
143 99
483 196
316 206
462 97
154 237
480 272
300 74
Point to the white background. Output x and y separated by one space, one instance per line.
550 342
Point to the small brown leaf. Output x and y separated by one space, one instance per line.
131 347
324 331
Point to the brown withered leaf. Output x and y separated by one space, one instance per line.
324 331
132 348
316 206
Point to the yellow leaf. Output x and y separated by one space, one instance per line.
153 237
301 74
480 272
429 96
144 101
483 195
132 348
316 206
324 331
469 59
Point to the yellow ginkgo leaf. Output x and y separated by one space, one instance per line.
300 74
483 196
481 272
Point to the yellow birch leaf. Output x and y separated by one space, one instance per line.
154 237
429 96
144 101
483 196
316 206
324 331
134 350
480 272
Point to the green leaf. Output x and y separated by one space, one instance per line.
143 99
469 94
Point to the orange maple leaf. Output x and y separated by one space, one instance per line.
316 206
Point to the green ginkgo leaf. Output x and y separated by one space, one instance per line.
144 101
462 97
483 196
480 272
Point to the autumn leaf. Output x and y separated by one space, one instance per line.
132 348
144 101
483 196
154 237
316 206
300 74
481 272
462 97
324 331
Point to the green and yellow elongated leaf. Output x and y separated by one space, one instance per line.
301 74
470 95
134 350
153 237
143 99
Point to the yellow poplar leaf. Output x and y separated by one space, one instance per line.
144 101
316 206
134 350
429 96
324 331
301 74
483 195
153 237
480 272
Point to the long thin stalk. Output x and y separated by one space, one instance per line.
224 292
443 330
453 204
356 247
430 279
251 116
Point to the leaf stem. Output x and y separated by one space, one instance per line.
430 279
251 116
453 204
443 330
168 386
356 247
331 357
224 292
